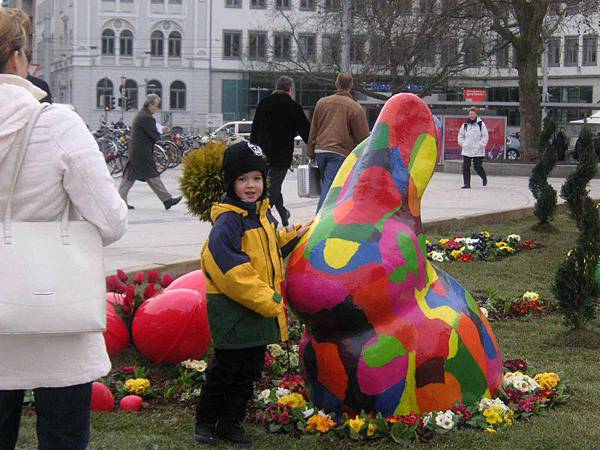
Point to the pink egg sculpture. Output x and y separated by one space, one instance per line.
116 335
102 398
194 280
131 403
172 327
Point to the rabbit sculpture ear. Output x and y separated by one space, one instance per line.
386 332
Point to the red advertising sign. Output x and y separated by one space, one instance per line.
494 149
474 94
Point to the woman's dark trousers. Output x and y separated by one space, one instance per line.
478 164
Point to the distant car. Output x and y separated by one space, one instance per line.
513 148
230 132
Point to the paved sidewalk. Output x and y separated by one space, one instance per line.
157 237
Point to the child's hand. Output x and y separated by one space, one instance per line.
304 228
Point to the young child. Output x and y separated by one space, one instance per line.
243 264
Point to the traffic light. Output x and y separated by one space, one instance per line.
109 103
121 102
112 103
127 103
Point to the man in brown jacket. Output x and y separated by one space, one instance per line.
338 125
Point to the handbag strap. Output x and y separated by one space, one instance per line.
21 142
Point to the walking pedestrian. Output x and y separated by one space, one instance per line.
278 120
561 144
141 166
473 137
243 262
338 125
61 166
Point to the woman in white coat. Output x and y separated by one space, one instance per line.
473 137
62 164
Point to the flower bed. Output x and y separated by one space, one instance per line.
482 246
528 304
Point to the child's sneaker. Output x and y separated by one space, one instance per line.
205 433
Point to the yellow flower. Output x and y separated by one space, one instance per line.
371 429
294 400
137 385
455 253
356 424
506 248
531 296
493 415
427 242
547 380
500 244
320 423
490 430
443 241
485 234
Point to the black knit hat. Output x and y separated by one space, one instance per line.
241 158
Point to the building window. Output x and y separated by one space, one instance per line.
158 2
571 50
590 50
282 46
156 43
307 5
104 93
502 56
332 5
425 52
126 43
472 52
554 52
283 4
233 3
307 47
231 44
258 4
177 95
331 49
378 53
175 44
130 90
405 7
426 6
154 87
357 49
449 52
175 2
108 42
257 45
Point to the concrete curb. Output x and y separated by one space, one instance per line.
509 169
189 265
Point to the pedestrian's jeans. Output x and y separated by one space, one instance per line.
329 164
276 176
63 417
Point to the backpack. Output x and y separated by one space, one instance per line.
478 123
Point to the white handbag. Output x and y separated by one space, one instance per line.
53 270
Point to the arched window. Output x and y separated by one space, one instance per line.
177 95
175 44
130 90
108 42
156 43
154 87
104 93
126 43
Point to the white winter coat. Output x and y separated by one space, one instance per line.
473 140
62 163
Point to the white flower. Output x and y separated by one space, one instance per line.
308 412
486 403
275 350
323 414
426 419
264 396
437 256
520 382
194 364
445 420
531 296
282 392
513 237
484 311
294 360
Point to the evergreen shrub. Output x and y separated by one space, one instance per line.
544 194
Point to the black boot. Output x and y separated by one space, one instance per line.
206 433
230 428
207 414
171 202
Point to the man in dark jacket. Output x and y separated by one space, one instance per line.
561 144
141 166
278 120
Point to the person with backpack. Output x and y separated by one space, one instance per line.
472 138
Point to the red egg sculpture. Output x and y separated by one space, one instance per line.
116 335
131 403
194 280
172 327
102 398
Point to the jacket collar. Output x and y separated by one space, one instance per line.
229 204
344 93
16 80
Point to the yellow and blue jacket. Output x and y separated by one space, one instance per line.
243 264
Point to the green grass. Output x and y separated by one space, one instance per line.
544 342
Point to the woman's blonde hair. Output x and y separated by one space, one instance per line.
13 36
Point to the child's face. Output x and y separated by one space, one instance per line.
248 186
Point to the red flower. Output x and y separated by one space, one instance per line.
122 276
515 365
462 410
150 292
466 257
167 279
113 284
153 276
138 278
269 360
127 304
